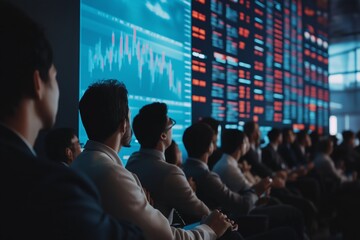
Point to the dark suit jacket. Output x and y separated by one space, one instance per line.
42 200
272 158
287 153
214 193
258 168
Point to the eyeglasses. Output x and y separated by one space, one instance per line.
173 122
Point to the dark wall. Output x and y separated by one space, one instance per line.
60 19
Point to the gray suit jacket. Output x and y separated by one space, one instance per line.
123 196
166 183
211 190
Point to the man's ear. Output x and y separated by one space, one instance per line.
38 85
69 154
163 136
122 126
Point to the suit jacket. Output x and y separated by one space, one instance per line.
123 195
211 190
287 153
167 184
43 200
272 159
258 168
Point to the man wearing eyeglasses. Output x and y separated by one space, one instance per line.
165 182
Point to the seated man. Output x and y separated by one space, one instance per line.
210 189
39 199
166 182
62 145
108 129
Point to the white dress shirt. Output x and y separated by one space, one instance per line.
123 196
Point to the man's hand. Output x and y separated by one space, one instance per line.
218 222
262 186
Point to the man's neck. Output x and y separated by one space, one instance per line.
24 122
114 141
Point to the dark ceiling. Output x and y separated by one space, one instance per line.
344 19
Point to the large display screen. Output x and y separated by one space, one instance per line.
261 60
144 44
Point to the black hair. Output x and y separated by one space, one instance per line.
249 128
231 139
212 122
56 141
197 139
347 135
274 134
170 153
23 50
103 107
149 123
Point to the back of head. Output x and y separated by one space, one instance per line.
288 135
274 134
325 145
348 136
56 141
103 107
171 155
197 139
149 123
231 139
24 49
301 136
249 128
212 122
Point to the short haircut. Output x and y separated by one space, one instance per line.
231 139
23 50
170 153
56 141
103 107
348 135
274 134
286 132
301 136
149 123
249 128
324 144
213 123
197 139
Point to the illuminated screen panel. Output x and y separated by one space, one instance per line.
144 44
266 60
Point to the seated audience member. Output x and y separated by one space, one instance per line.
166 183
217 153
285 149
301 145
108 130
62 145
325 166
39 199
346 153
235 144
357 148
209 188
173 155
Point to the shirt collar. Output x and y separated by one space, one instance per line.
22 138
158 154
202 164
97 146
230 159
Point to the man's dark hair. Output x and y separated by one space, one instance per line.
301 136
170 153
274 134
56 141
347 135
286 133
149 123
212 122
324 144
231 139
103 107
24 48
197 139
249 128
